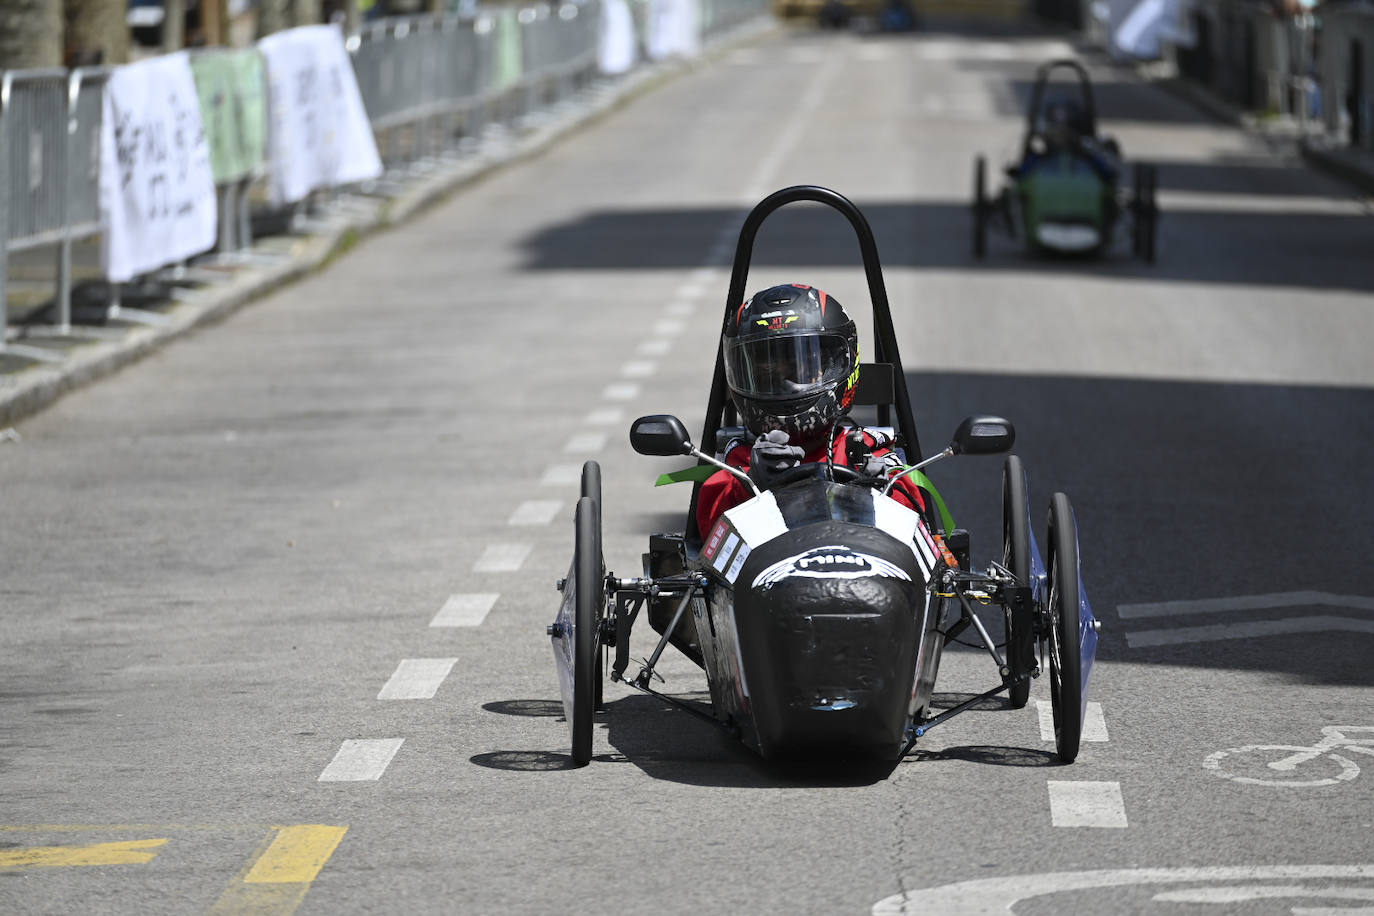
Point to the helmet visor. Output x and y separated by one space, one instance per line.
787 365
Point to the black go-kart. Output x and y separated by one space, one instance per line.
820 607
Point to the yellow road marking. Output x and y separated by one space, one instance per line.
125 853
296 855
276 881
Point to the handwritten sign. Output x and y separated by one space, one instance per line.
320 135
157 192
233 104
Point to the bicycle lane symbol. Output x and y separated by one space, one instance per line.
1288 765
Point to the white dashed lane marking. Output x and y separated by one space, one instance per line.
586 442
669 326
621 391
361 760
1094 723
1086 804
657 346
464 610
535 512
640 368
417 679
680 308
502 557
604 416
562 475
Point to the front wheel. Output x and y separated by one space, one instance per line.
591 487
1016 557
590 596
1066 682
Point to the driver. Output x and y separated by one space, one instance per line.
792 366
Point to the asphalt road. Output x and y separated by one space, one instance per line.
219 566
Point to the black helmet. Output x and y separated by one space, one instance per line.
792 362
1065 121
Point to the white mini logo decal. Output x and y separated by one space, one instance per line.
831 562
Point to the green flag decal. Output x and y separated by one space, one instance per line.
922 481
694 474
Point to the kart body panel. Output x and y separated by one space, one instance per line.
818 622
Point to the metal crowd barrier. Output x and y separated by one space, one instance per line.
33 163
426 82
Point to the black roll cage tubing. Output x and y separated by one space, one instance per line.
1042 78
884 337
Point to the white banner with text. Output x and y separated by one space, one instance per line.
320 135
157 190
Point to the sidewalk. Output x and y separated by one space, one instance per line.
156 313
1283 134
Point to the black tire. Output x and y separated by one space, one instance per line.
1066 682
980 207
590 586
1139 215
1016 557
1151 215
591 487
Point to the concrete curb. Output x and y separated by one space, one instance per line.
33 388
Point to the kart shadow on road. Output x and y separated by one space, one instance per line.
1274 243
671 744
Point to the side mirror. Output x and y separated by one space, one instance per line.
660 434
983 436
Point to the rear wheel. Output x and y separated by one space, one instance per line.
1066 682
980 207
1152 214
1020 636
590 595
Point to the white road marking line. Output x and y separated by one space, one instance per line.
703 276
361 760
502 557
586 442
1094 723
1290 625
638 368
1086 804
1000 895
561 475
680 308
604 416
692 289
1243 603
417 679
655 347
535 512
621 391
669 327
873 52
465 610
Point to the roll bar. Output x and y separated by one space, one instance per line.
884 337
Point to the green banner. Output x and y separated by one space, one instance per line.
506 62
233 106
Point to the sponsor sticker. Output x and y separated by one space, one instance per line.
723 557
830 562
732 573
713 542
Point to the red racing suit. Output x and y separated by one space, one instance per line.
723 491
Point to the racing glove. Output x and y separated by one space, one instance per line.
771 456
